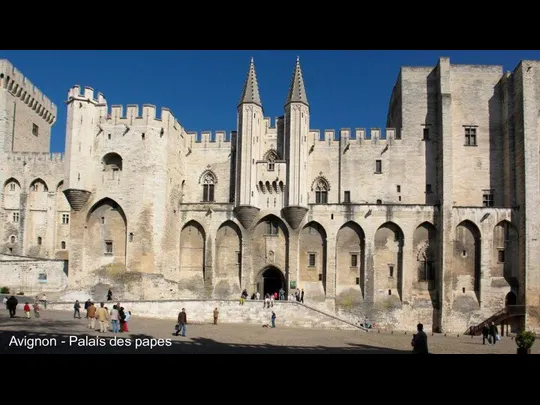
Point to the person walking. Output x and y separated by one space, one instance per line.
182 322
11 304
27 310
77 310
216 314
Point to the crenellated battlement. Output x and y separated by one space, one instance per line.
19 86
359 135
146 113
35 157
131 114
208 139
86 94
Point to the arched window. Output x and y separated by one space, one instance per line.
208 181
63 245
112 163
321 191
425 258
12 239
38 185
271 158
39 240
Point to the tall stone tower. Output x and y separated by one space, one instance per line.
84 113
296 149
250 123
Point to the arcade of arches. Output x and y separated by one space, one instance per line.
373 270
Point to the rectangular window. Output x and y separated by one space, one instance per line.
208 192
35 130
312 260
500 256
470 136
321 197
271 228
425 135
65 219
15 217
428 188
391 270
347 197
378 166
108 247
354 260
488 200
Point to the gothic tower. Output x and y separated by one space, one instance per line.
296 149
250 124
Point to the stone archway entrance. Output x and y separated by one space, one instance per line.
271 280
510 299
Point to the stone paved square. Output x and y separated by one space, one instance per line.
227 338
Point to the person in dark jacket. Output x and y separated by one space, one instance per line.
182 322
494 332
11 304
121 318
86 305
419 341
485 334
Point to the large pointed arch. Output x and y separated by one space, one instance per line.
228 260
350 258
388 260
269 247
105 240
193 240
467 257
313 258
107 201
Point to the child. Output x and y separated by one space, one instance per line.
27 310
36 309
273 319
125 326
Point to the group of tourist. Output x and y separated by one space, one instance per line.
117 316
270 297
12 302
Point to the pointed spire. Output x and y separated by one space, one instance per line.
297 91
250 93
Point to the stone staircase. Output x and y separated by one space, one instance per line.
288 313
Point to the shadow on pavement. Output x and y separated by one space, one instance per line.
67 340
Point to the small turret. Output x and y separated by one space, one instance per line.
250 92
297 90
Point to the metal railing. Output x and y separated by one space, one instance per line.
507 312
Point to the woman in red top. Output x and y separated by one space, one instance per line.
27 310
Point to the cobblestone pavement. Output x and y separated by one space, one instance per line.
223 338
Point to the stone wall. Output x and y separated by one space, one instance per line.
31 275
230 311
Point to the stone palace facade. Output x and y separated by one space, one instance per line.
432 219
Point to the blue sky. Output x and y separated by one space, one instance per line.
346 89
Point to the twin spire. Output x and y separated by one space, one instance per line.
297 90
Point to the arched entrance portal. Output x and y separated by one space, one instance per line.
511 299
271 281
